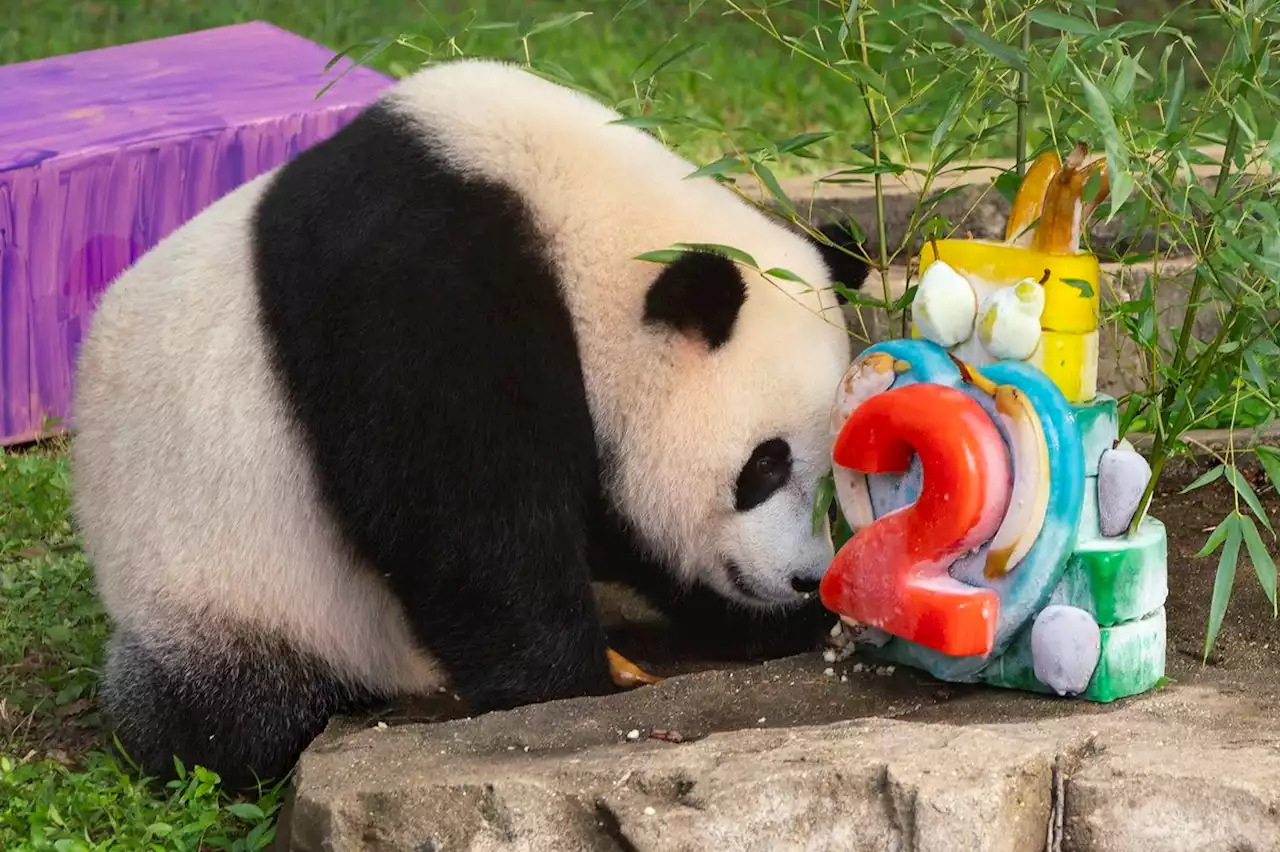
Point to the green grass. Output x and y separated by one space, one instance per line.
737 75
63 785
725 68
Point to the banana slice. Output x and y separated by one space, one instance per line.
1029 502
1029 200
869 375
1030 499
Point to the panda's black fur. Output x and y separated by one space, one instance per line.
511 422
418 406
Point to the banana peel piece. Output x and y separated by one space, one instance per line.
1029 200
869 375
1029 502
627 674
1063 214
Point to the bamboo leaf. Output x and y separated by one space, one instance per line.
1245 490
948 121
784 274
644 121
724 165
1216 538
1057 62
1263 565
1117 155
1256 372
1085 288
775 189
728 251
1066 23
1272 152
822 502
802 141
1205 479
1269 458
376 47
865 74
661 256
1173 112
1003 52
1126 74
641 73
1223 582
556 23
679 250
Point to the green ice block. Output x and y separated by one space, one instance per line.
1089 527
1131 661
1099 424
1117 579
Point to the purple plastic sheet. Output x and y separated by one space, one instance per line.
104 153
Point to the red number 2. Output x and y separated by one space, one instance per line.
893 574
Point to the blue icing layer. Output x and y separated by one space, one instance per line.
1027 589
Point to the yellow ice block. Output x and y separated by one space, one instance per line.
990 265
1070 361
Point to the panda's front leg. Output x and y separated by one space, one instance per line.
510 614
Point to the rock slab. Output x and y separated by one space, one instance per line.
865 785
855 760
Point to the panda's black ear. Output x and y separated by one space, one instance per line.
845 268
699 294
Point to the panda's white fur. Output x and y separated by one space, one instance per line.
193 492
198 487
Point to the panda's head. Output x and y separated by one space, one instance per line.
719 472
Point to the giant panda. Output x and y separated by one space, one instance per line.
366 426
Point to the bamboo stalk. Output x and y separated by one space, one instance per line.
1024 100
868 99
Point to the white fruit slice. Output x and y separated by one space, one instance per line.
867 376
944 306
1066 644
1009 320
1123 475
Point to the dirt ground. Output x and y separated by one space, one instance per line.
1248 646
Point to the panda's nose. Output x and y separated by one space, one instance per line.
804 585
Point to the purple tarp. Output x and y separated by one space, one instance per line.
104 153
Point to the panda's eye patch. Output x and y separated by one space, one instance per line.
765 472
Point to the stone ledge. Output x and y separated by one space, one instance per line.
872 784
973 204
882 763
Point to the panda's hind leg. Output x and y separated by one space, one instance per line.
242 706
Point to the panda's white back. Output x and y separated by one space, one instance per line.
194 495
